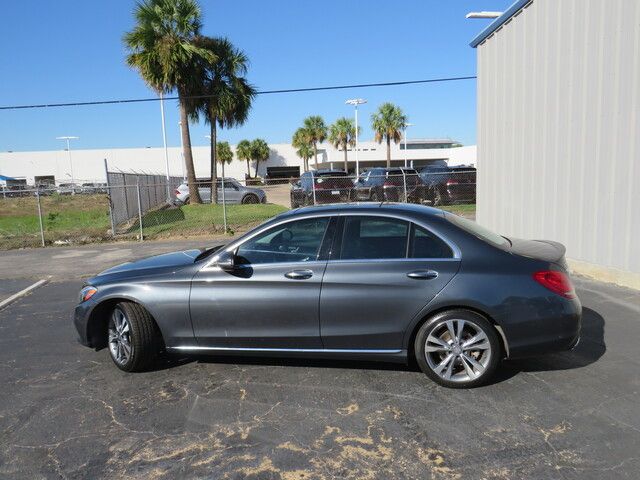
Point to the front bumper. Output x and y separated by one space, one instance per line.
81 316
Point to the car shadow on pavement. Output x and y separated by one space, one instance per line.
588 351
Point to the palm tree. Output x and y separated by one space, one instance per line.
243 152
161 48
388 123
342 134
259 152
317 131
305 152
302 141
224 96
224 154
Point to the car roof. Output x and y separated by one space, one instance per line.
363 208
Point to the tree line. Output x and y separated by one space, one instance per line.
387 123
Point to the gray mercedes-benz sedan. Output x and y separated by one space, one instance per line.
392 282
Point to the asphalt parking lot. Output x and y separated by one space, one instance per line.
67 412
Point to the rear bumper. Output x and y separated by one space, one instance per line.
540 335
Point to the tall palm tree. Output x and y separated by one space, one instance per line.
161 48
301 140
317 131
259 152
224 154
224 96
342 134
243 152
388 123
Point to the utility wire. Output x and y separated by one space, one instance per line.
265 92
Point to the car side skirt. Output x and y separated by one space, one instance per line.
388 355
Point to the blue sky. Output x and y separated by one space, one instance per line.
71 50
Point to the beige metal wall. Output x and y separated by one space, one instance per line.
559 131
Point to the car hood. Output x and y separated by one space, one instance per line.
167 260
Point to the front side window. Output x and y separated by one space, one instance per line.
374 238
297 241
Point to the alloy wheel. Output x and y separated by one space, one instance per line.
458 350
120 344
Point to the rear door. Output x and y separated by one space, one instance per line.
383 273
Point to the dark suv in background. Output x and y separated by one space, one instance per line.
387 184
445 185
321 186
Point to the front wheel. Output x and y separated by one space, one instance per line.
133 337
250 199
458 349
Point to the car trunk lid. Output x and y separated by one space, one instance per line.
545 250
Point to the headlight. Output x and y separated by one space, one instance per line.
86 293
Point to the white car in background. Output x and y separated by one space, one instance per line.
234 192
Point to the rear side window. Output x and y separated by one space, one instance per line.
374 238
424 244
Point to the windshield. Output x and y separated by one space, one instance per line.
479 231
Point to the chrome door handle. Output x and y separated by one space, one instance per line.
299 274
423 274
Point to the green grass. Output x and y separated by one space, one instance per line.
465 210
85 218
203 219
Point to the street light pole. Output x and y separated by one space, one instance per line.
224 203
406 125
68 138
164 142
355 102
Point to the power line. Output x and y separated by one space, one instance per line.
265 92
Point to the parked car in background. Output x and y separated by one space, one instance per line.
94 188
68 188
391 282
445 185
388 185
321 186
234 192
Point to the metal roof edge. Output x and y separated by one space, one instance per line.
498 22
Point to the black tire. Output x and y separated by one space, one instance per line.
459 366
143 335
187 201
294 204
374 197
250 198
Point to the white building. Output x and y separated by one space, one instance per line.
88 165
559 130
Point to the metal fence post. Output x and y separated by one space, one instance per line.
313 187
139 209
404 183
113 225
224 203
40 218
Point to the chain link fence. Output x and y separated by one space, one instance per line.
140 206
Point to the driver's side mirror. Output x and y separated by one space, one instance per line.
226 261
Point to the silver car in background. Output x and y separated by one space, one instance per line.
234 192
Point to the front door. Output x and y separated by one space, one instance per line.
387 270
270 300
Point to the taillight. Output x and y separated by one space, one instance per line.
557 282
452 182
177 192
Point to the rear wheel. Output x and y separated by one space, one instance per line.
374 197
250 198
458 349
133 337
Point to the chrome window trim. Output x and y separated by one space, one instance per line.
296 350
234 245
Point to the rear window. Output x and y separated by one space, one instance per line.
482 233
330 174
